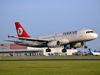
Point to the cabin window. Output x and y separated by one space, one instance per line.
89 32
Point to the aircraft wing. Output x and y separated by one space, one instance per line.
31 39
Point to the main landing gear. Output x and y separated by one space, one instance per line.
64 50
48 50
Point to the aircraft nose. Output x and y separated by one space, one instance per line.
95 35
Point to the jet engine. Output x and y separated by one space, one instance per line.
53 44
77 45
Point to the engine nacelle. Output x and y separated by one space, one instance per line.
77 45
53 44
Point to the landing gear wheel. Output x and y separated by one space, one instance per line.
85 46
64 50
48 50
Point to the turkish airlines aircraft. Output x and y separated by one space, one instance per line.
75 39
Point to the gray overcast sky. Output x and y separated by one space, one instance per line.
41 17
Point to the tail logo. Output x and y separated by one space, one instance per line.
20 31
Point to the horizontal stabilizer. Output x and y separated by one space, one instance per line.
13 41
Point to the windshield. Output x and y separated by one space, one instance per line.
89 32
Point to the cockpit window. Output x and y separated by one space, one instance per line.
89 32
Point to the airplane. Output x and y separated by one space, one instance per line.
94 53
75 39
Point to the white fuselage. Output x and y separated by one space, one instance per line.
94 53
73 36
63 38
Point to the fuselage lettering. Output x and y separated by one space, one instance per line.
67 33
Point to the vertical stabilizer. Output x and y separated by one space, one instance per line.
20 31
90 52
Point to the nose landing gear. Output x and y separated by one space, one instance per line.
85 47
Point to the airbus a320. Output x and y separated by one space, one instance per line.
75 39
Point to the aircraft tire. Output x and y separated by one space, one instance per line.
48 50
85 47
64 50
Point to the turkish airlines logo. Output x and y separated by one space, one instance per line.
20 31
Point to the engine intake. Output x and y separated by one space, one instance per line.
53 44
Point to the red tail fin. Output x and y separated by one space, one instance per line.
20 31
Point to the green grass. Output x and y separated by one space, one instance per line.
50 68
65 57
